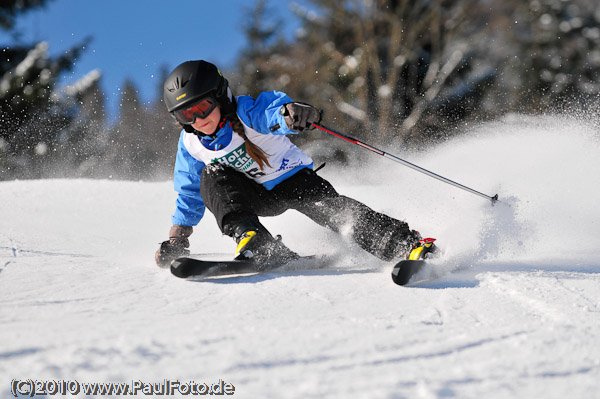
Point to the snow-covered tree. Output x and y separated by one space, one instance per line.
34 114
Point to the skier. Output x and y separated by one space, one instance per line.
234 158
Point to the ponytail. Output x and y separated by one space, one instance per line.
255 152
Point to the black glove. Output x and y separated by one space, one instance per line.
175 247
300 116
169 251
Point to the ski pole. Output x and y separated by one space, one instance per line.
403 162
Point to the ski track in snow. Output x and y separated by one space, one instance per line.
515 312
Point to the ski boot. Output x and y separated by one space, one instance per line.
255 243
424 248
261 248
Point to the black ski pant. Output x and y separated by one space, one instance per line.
231 196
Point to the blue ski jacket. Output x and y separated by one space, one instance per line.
264 125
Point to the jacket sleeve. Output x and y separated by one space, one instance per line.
263 113
189 205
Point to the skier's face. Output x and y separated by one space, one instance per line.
209 124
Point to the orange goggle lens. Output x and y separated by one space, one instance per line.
201 110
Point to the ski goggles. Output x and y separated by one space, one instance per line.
201 110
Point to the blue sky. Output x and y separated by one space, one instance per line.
135 38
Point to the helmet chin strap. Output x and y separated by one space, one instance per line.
213 135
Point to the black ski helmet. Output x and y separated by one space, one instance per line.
193 80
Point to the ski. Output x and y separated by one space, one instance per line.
187 267
184 267
405 269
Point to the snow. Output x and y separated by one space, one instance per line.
82 299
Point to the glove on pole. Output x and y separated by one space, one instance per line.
403 162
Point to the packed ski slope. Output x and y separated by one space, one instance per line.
81 299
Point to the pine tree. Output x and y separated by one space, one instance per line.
83 142
143 142
162 134
10 10
31 111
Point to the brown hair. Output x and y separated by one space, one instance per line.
255 152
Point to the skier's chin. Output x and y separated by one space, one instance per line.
207 128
